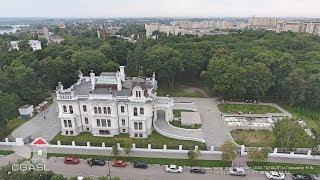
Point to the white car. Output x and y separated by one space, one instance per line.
237 171
275 175
173 169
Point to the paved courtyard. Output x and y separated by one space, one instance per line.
214 129
45 124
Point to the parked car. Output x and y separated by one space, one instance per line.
315 176
173 168
275 175
197 170
71 160
141 165
119 163
97 162
301 177
237 171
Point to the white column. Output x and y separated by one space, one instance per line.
7 141
211 148
73 143
242 149
133 146
149 146
59 143
275 150
88 144
103 144
164 147
196 148
309 153
180 147
118 145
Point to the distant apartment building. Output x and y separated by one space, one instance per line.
35 45
264 22
14 45
310 28
62 25
193 27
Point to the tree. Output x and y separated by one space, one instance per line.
228 151
115 150
165 61
289 134
256 154
9 104
24 82
127 148
193 156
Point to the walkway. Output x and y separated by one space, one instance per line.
45 124
164 128
215 130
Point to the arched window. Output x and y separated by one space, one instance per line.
135 111
109 110
64 108
71 109
104 110
99 110
141 110
139 93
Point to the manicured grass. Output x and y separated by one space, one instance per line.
12 124
286 167
5 152
155 139
177 123
161 161
247 108
181 91
312 118
252 138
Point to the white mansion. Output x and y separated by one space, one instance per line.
111 104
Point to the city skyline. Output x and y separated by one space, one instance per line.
165 8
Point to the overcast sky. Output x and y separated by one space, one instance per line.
157 8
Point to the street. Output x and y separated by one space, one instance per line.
154 172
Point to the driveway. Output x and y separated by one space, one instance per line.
45 124
215 130
178 133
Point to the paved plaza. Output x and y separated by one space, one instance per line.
45 124
215 130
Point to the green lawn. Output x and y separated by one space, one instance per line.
155 139
12 124
182 91
312 118
246 108
161 161
286 167
5 152
177 123
252 138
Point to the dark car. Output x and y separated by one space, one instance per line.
197 170
301 177
141 165
97 162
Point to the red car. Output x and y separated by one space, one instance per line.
119 163
71 160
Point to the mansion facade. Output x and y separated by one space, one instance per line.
111 104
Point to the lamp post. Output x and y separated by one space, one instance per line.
109 173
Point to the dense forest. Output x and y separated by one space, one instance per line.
242 65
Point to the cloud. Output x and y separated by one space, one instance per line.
156 8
